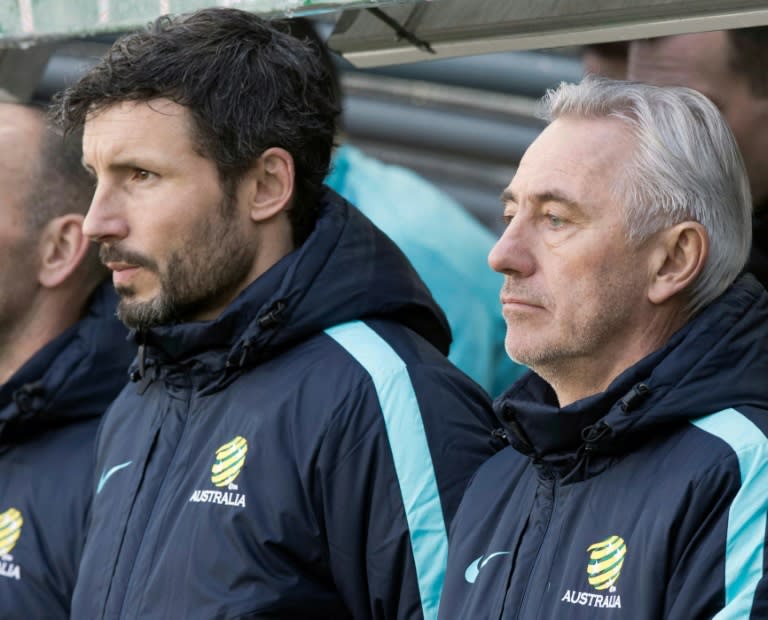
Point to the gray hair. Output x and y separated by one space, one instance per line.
686 166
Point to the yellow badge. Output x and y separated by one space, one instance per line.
10 530
230 459
605 562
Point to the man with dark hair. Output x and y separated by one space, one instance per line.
293 441
728 66
63 358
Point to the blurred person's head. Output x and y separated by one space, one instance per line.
627 215
209 135
47 268
728 66
607 60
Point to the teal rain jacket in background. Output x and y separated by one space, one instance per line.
449 250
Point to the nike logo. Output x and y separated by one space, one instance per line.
473 570
109 473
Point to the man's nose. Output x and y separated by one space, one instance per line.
513 251
105 219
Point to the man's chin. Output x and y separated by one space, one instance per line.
525 353
138 314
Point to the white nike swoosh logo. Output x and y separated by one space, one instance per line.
108 474
473 570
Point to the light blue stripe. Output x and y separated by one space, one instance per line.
745 543
410 452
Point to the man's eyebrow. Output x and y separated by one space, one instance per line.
507 196
555 196
549 196
119 164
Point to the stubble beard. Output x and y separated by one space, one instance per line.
207 273
576 343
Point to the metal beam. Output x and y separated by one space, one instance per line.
24 22
461 28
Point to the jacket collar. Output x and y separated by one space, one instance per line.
717 360
73 376
758 257
346 270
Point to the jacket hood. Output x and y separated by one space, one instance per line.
716 361
346 270
74 376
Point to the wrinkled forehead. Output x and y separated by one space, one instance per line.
137 114
583 148
158 125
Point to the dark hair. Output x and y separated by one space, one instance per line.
305 30
749 57
247 85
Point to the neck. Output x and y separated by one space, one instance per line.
20 340
274 242
575 378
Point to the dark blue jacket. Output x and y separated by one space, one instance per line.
298 457
646 502
49 412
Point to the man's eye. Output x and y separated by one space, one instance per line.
555 221
139 174
508 217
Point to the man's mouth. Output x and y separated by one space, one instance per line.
518 301
122 273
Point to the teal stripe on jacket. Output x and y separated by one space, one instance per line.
745 544
410 452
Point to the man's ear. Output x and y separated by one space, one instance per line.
677 260
61 247
268 185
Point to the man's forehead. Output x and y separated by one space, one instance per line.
698 61
578 146
137 126
572 160
138 113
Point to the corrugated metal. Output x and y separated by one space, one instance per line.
467 141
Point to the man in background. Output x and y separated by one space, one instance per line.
729 67
63 358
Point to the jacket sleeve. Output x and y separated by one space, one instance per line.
390 485
720 568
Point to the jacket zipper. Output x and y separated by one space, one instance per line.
132 576
524 599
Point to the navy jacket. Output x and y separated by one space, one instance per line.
647 501
758 257
298 457
49 412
